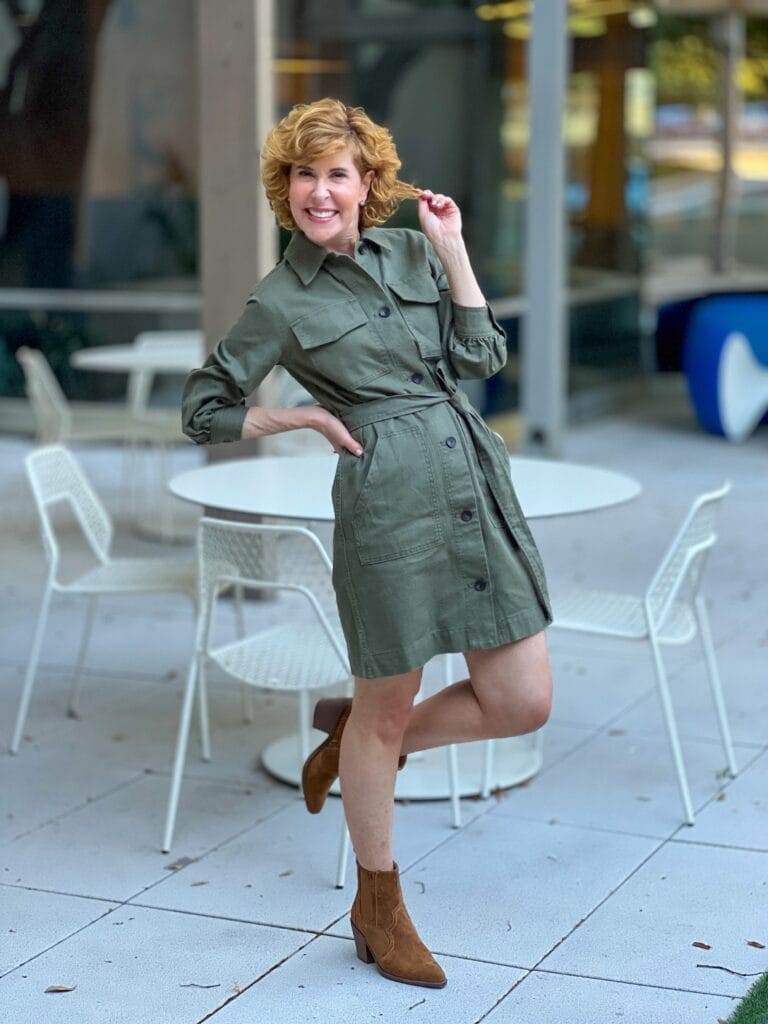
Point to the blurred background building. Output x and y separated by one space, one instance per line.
102 143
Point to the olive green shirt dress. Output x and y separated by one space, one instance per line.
431 551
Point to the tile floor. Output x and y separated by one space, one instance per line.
576 896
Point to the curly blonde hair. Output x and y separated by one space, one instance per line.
310 131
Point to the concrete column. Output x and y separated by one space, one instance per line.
544 350
238 235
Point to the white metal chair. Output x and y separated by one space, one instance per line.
55 476
285 657
664 615
54 417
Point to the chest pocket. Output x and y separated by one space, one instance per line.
419 302
340 344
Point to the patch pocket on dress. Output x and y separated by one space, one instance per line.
419 303
396 512
341 343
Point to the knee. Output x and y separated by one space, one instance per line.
525 712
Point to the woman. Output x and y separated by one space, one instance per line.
431 552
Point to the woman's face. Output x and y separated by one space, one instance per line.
325 198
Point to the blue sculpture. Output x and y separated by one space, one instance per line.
725 359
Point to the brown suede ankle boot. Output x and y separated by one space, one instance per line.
321 769
384 933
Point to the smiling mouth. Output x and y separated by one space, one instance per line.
321 218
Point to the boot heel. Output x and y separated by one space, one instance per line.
327 713
361 946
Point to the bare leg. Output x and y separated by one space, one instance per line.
370 747
509 693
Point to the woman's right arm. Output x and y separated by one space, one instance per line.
213 409
213 401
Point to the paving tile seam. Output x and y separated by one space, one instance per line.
603 901
206 853
72 810
264 974
636 984
59 942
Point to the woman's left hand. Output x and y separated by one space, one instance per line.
440 217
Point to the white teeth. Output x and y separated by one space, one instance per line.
324 215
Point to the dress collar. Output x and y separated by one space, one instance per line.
306 257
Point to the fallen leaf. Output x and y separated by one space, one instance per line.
755 943
720 795
701 945
61 988
423 887
414 1005
194 984
198 883
284 874
180 863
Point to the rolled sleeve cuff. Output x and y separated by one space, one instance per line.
227 423
475 321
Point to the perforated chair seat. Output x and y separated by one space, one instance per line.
281 658
139 574
606 612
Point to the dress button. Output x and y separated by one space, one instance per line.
466 515
417 378
385 311
451 442
361 247
479 584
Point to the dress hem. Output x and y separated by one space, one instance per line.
526 622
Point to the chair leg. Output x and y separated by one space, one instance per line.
303 732
486 783
34 657
341 867
714 682
453 776
669 718
246 692
73 707
202 707
453 761
182 737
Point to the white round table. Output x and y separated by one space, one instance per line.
267 486
178 355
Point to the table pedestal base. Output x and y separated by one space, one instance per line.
425 775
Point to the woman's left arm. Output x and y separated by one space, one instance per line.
474 340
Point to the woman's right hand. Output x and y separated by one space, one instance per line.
334 430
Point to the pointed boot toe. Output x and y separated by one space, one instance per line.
384 933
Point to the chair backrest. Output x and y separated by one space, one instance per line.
53 416
686 555
55 475
267 556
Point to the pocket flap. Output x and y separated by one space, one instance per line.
416 288
329 323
